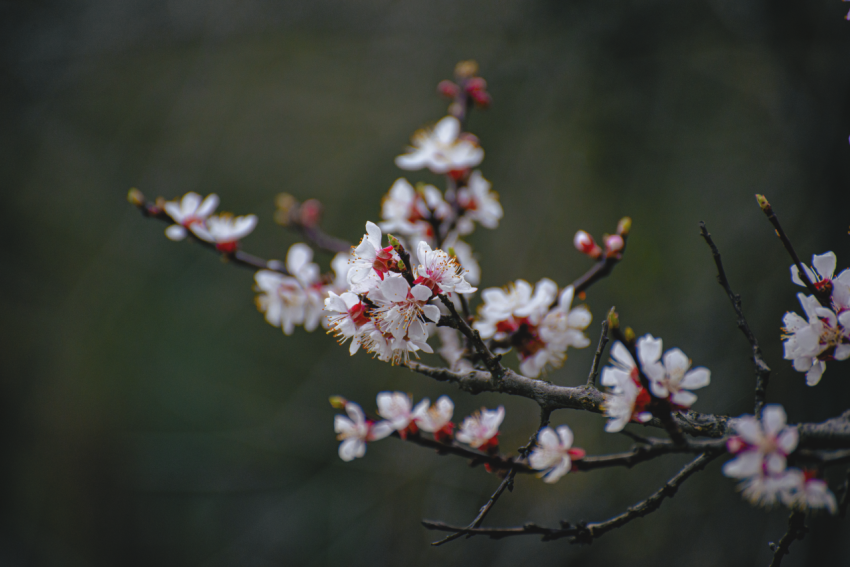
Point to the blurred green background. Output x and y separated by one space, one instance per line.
151 417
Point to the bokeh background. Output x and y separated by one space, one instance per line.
151 417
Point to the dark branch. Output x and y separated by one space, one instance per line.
594 368
845 496
304 218
240 258
796 530
585 533
761 368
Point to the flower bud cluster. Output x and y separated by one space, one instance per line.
761 448
825 333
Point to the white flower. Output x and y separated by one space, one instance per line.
352 321
400 313
768 490
440 272
188 211
436 419
823 273
553 453
504 310
561 328
761 446
467 261
823 336
440 150
308 274
354 431
225 230
396 408
478 203
669 378
401 208
452 350
627 399
480 430
370 258
340 265
281 299
810 493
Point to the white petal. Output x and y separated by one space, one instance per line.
696 378
842 352
676 363
432 312
208 206
773 419
351 449
299 254
814 374
788 439
175 232
684 398
746 464
648 349
447 129
825 264
421 292
395 289
621 354
374 234
566 435
560 470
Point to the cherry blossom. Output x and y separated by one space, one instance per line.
553 454
822 272
351 322
225 230
478 204
669 377
293 300
355 431
627 399
761 446
370 258
436 419
442 149
809 344
810 492
505 310
768 490
188 211
481 429
440 272
400 313
396 408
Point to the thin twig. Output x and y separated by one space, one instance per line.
594 368
239 258
585 533
796 530
493 364
762 370
822 295
845 496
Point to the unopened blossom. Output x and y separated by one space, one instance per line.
348 318
441 149
670 377
761 446
480 430
355 430
561 328
397 409
810 492
370 258
188 211
401 311
225 230
626 399
478 203
810 343
822 272
440 272
436 419
553 453
585 244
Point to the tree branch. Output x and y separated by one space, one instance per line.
585 533
762 370
240 258
594 367
493 364
796 530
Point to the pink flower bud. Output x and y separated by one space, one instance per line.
448 89
310 212
584 243
614 243
476 84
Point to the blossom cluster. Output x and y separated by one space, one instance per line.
762 448
193 214
525 319
398 415
670 378
824 334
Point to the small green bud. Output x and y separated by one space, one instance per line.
629 334
136 197
613 319
624 226
762 202
393 241
338 402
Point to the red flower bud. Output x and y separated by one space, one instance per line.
448 89
584 243
614 243
310 212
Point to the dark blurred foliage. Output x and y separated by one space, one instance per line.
151 417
